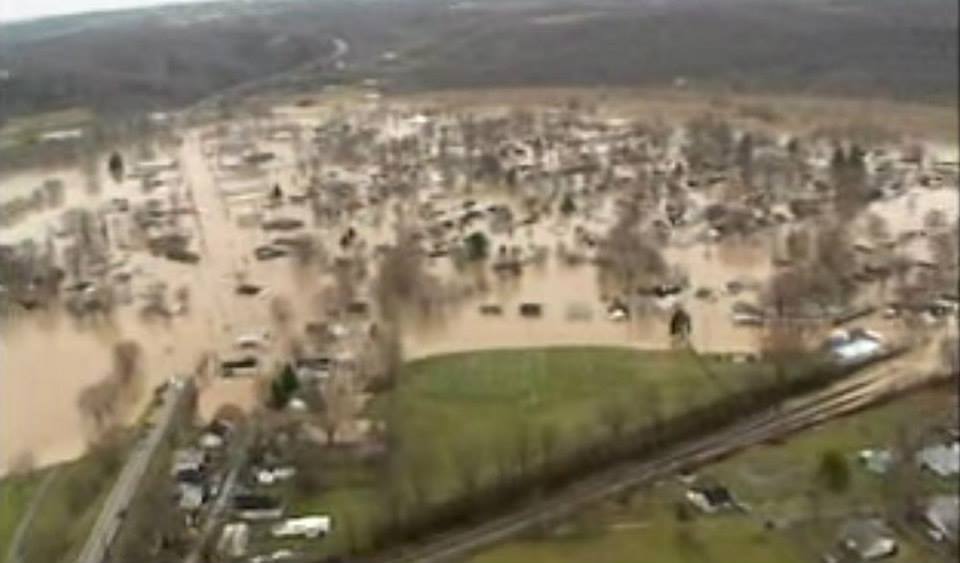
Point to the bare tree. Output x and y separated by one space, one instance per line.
782 344
710 142
826 281
281 312
384 358
340 406
799 246
106 402
849 174
402 280
628 258
128 364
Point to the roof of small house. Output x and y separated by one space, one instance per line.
869 538
942 459
943 513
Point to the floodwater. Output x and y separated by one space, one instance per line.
46 359
574 313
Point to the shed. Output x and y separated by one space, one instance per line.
942 459
309 527
234 539
942 514
868 539
711 499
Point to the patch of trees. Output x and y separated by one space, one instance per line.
850 180
711 144
402 281
153 529
784 47
29 277
104 404
477 246
283 387
628 258
749 46
820 283
115 166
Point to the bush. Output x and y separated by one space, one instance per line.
283 388
834 471
478 246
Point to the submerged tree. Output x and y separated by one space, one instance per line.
477 246
628 258
116 167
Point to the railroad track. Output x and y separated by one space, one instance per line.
843 397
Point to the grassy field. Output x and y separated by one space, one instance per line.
26 129
15 496
476 409
775 480
479 404
68 509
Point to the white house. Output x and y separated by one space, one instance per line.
309 527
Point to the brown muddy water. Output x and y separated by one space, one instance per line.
47 359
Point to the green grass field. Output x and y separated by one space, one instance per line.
15 496
480 404
649 533
27 129
775 480
68 509
476 408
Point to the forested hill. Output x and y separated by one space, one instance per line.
167 56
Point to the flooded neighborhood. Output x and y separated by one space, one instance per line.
235 245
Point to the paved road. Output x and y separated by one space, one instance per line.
105 529
845 396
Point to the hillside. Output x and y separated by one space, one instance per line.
160 57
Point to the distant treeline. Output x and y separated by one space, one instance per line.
171 56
